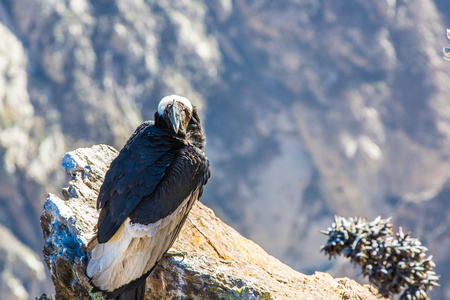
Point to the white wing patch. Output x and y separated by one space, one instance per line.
134 249
169 99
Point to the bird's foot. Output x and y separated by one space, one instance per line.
175 253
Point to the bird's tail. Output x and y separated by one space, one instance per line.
134 294
134 290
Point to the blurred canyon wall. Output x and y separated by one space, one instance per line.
311 108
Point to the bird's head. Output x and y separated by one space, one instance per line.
176 111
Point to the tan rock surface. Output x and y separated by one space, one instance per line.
220 263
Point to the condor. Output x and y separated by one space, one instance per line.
146 197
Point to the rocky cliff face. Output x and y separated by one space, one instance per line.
311 108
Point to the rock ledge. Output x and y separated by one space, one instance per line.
220 264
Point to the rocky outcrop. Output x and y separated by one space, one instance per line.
220 263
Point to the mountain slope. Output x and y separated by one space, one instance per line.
311 108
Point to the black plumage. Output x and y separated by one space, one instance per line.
146 197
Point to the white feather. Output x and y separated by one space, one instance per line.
134 249
169 99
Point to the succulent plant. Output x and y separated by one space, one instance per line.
395 263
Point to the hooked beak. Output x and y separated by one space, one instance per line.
176 116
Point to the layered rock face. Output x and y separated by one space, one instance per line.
219 264
311 109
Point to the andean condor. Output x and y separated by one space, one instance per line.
146 197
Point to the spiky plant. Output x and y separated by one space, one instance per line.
394 263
